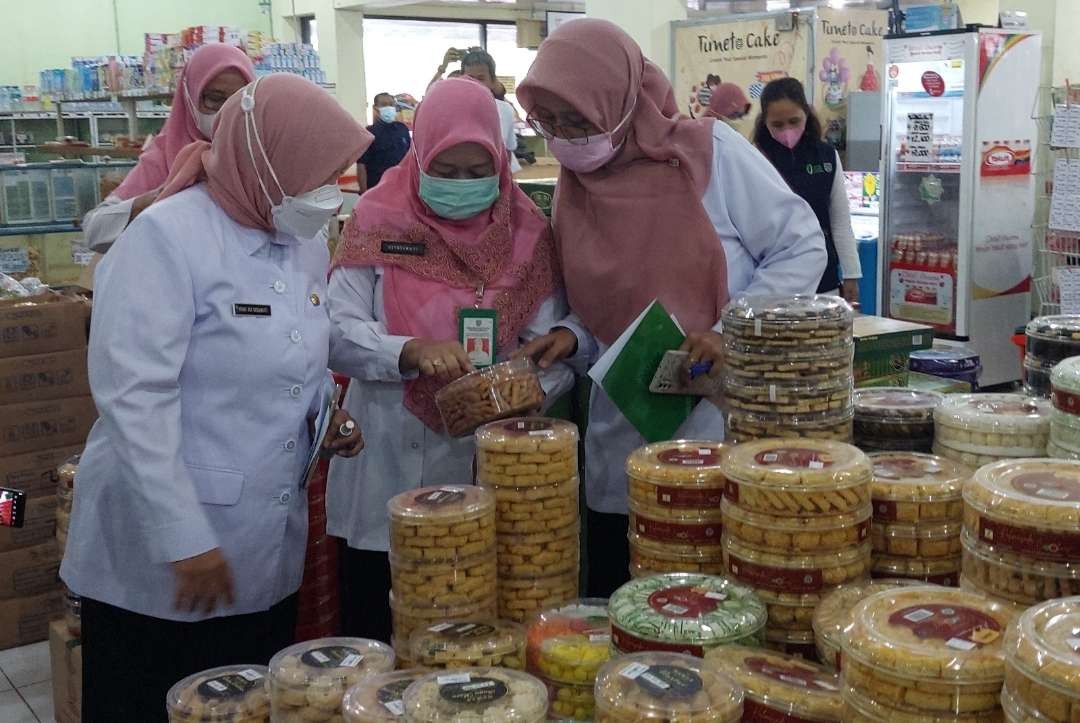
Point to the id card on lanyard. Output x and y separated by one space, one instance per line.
478 329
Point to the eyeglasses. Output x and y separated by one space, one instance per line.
213 101
575 134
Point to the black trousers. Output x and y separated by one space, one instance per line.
365 594
130 660
608 553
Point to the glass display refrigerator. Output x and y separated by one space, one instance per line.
956 238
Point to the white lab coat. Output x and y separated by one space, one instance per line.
509 132
205 410
103 224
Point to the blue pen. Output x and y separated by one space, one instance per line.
696 370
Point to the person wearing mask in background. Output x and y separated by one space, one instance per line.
480 66
213 73
392 142
789 133
208 363
728 103
446 230
650 205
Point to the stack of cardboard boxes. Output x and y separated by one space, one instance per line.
883 348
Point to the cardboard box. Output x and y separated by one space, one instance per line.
41 377
30 426
30 570
25 620
35 472
65 656
50 323
883 347
39 525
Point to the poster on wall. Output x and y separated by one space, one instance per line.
848 53
748 53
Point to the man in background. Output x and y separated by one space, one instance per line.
480 66
392 142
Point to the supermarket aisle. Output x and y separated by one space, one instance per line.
26 685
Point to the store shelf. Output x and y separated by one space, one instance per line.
68 115
928 168
38 228
84 151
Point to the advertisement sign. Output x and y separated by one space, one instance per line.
848 49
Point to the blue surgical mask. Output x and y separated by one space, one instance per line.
457 198
388 114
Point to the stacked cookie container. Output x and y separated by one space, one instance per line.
1042 668
566 647
1065 416
1050 340
977 429
530 466
895 419
787 368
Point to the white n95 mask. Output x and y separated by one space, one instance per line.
203 121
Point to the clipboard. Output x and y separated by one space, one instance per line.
322 428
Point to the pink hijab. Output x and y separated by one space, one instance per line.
304 148
207 63
634 230
506 251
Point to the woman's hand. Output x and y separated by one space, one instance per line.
203 583
849 289
705 347
343 445
546 350
142 202
444 360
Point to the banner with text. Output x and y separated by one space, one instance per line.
848 53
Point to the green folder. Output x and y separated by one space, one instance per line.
655 416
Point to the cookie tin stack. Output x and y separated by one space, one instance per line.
1050 340
469 644
948 361
787 368
1042 667
977 429
675 491
1022 530
780 687
531 467
918 516
796 525
832 618
657 686
1065 417
567 645
442 558
308 681
895 418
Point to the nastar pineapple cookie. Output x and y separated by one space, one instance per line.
479 643
658 686
481 695
379 699
230 694
778 686
526 452
1042 660
308 680
915 488
833 616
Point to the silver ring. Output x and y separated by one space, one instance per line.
436 363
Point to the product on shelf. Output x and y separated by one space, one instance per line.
746 361
520 599
230 694
1053 339
542 553
833 616
408 618
784 534
780 687
685 613
916 488
992 425
959 363
648 557
477 694
656 686
1036 376
1006 574
1058 452
310 679
526 453
788 322
681 475
895 418
860 709
943 571
469 644
749 426
794 398
927 651
927 540
566 647
1017 712
677 530
1042 667
379 698
1065 418
504 390
443 583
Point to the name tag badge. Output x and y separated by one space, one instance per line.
404 248
251 310
478 330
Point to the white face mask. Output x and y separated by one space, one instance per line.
303 215
204 121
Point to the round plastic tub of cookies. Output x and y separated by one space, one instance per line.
677 529
754 362
526 452
520 599
451 522
1017 712
1041 664
788 322
1006 574
688 612
567 645
935 571
784 534
1053 449
1001 425
379 698
1053 338
477 694
956 362
917 488
789 397
469 644
680 475
969 459
651 687
797 477
774 574
929 651
230 694
895 415
653 558
1035 375
1065 383
525 510
1063 437
858 708
799 643
540 554
409 618
832 617
501 391
923 540
780 687
443 584
310 679
829 426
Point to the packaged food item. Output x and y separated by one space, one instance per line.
1002 425
450 583
693 528
1053 449
1017 712
1053 338
310 679
408 618
917 488
1035 374
927 650
956 362
651 687
526 452
521 509
477 694
799 643
748 426
895 417
943 571
684 613
860 709
476 643
1063 437
648 557
570 702
834 615
797 477
925 540
784 534
520 599
1042 667
753 362
568 643
773 576
1003 573
969 459
501 391
673 476
788 322
442 523
780 687
230 694
379 698
542 553
789 397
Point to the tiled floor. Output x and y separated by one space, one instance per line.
26 685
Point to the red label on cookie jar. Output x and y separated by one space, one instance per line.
685 601
689 496
1067 402
962 628
793 675
1010 408
701 457
754 712
1048 486
626 642
777 579
704 534
794 457
884 510
906 468
731 490
1045 545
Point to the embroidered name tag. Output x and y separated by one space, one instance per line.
251 310
401 248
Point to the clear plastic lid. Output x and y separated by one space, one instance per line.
501 391
329 662
527 435
686 553
779 685
945 360
994 413
1044 644
862 709
469 643
1055 328
930 633
970 459
936 571
809 311
797 464
1066 377
662 687
477 694
1064 437
231 693
441 505
688 612
1058 451
785 533
915 477
795 573
1017 712
899 405
683 463
833 615
379 698
570 642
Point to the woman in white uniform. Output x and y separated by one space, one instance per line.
208 364
650 205
212 74
446 230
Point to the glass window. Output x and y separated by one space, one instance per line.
309 31
510 60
